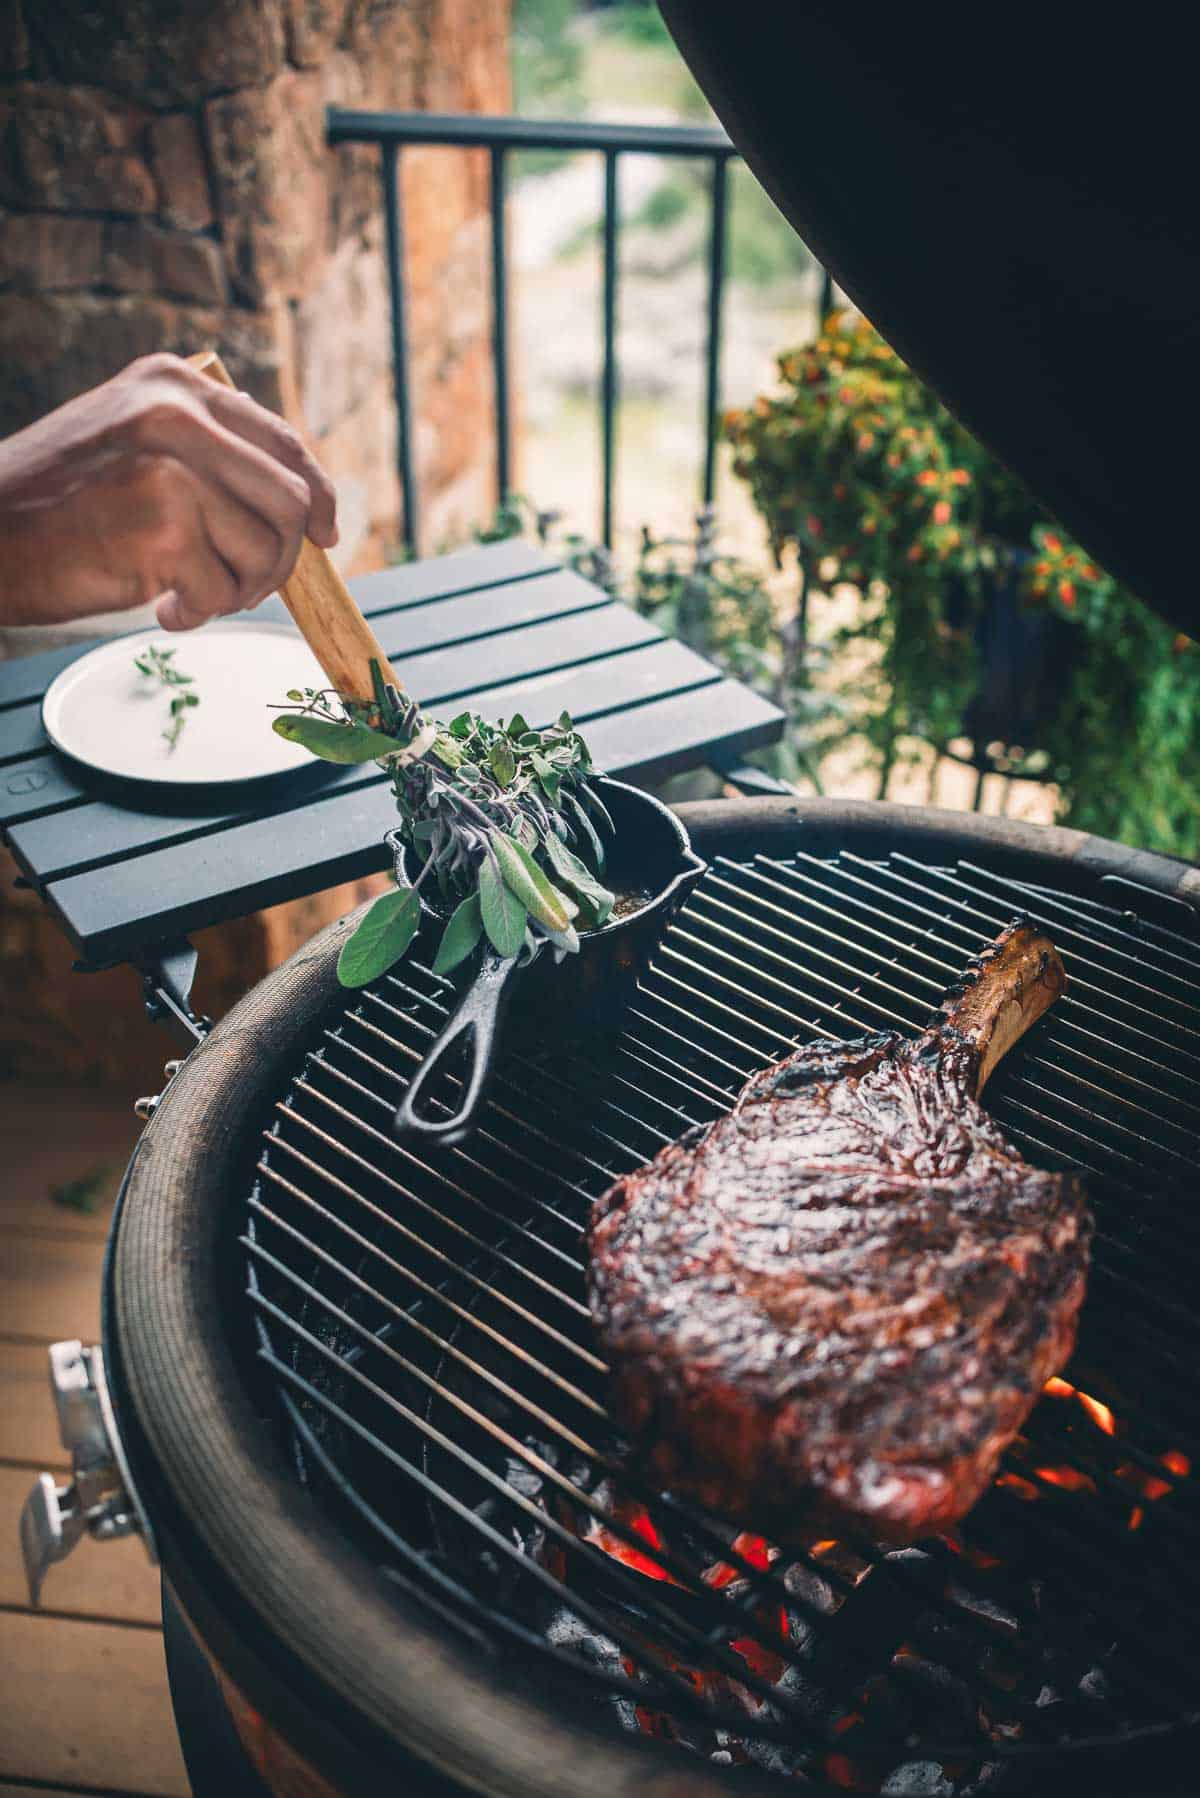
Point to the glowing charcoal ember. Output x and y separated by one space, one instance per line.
1099 1413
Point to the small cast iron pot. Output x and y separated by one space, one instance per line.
648 853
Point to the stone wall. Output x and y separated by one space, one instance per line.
165 182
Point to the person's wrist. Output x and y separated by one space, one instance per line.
27 551
22 571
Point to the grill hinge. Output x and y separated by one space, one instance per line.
168 971
100 1499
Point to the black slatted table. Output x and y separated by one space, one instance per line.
501 628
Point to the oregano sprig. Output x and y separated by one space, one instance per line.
159 665
503 821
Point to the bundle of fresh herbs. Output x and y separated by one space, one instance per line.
504 821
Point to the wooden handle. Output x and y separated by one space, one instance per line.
320 602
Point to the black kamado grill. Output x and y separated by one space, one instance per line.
366 1418
362 1411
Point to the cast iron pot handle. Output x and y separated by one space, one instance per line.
477 1017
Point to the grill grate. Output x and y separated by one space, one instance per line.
424 1319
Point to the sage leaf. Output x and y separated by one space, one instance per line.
595 897
588 828
448 752
502 913
348 744
503 760
460 726
381 938
523 877
517 726
595 804
460 935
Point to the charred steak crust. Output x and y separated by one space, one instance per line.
841 1302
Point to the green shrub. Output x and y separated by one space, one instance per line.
855 461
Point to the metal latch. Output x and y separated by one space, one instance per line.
100 1500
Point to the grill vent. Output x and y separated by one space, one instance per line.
424 1321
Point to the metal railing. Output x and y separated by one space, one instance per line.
392 131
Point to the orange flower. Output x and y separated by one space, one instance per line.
1053 544
959 477
813 525
1089 571
866 440
915 552
928 477
1066 592
941 512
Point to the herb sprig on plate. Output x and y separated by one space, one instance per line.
159 665
503 822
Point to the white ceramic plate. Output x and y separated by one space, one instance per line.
105 714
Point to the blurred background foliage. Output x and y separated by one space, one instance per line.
876 571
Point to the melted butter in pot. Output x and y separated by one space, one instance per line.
627 902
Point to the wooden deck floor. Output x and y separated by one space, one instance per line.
84 1706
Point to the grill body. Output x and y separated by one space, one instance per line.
314 1344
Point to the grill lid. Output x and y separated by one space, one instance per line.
1014 209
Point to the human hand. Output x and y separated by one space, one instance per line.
159 485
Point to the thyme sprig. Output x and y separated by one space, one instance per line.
503 824
158 665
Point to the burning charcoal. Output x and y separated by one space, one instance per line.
869 1625
774 1757
885 1711
841 1559
566 1630
948 1694
997 1779
1000 1665
578 1470
1094 1686
916 1567
986 1610
810 1590
946 1642
917 1779
522 1478
813 1705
